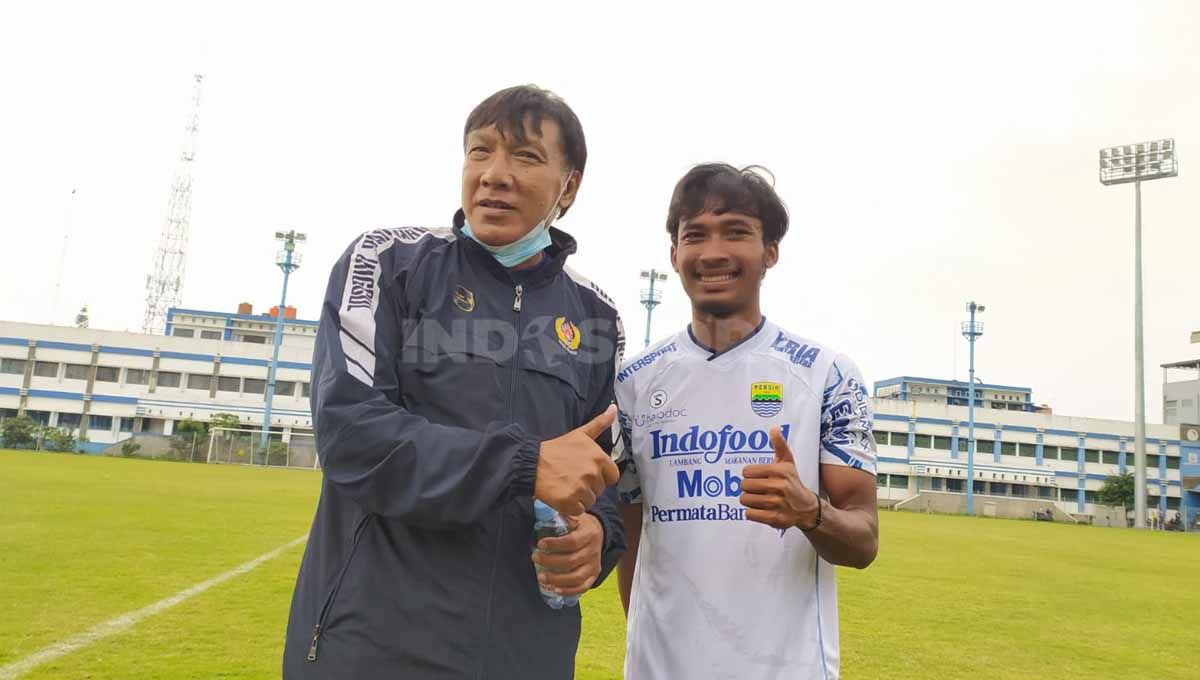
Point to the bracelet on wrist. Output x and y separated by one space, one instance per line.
816 522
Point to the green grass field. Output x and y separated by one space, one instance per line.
84 539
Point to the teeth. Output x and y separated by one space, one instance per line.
716 278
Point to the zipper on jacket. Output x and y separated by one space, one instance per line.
337 585
512 389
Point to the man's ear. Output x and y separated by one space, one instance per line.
673 265
568 197
770 256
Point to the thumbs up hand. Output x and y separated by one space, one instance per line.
774 495
573 470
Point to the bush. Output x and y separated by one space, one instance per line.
19 433
129 448
58 439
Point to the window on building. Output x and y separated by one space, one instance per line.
922 441
12 366
935 484
941 443
69 420
985 446
999 489
954 485
168 379
45 369
1172 503
1089 496
881 437
39 417
285 388
108 374
77 371
1110 457
1049 452
980 486
898 481
137 376
210 335
255 386
100 422
183 332
881 481
1045 492
304 390
254 339
197 381
126 425
1091 456
228 383
1172 462
1151 462
1008 448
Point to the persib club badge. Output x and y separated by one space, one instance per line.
766 398
568 334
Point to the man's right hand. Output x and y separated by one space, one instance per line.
572 470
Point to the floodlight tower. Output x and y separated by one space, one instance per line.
651 298
289 261
971 330
1137 163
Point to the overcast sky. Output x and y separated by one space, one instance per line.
929 154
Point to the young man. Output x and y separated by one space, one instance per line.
747 462
459 374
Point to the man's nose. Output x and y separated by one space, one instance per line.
497 174
712 253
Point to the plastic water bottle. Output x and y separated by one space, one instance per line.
547 523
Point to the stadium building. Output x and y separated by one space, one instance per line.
108 386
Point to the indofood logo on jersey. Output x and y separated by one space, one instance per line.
712 445
766 398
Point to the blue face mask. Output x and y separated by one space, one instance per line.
532 243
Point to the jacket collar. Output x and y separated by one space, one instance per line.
562 245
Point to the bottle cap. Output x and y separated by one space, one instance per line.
543 512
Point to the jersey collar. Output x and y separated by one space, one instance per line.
714 354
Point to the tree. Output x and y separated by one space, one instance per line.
19 432
188 435
1117 490
226 421
81 319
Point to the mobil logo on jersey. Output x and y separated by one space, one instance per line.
711 445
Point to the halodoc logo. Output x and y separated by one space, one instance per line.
712 445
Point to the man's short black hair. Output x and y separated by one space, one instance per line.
721 188
510 109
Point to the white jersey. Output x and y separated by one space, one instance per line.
714 594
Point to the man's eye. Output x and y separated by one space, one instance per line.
528 155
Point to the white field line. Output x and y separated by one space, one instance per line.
130 619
